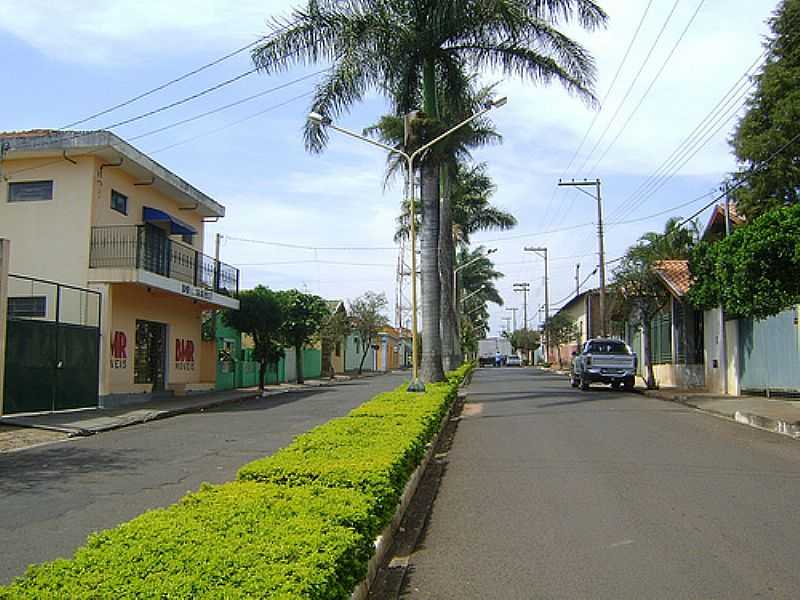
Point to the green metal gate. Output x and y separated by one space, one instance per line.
52 347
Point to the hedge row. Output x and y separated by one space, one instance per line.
298 524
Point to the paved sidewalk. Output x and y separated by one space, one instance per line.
91 421
772 414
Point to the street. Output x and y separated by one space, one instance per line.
52 497
550 492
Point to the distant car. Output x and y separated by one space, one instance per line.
603 360
512 360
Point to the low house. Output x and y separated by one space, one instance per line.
354 348
394 349
107 249
760 356
583 310
676 334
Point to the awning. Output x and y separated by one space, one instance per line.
171 224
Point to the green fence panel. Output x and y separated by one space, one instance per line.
78 372
312 363
30 380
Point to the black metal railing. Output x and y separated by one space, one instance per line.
150 248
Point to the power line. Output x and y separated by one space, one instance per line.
631 86
303 247
178 79
315 261
649 87
602 105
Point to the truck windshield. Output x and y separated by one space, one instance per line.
607 347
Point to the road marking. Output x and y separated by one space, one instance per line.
472 409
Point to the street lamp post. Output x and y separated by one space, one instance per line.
457 269
468 296
416 385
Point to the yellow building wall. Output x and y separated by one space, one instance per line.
139 196
50 237
183 318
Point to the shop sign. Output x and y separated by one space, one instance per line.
119 350
195 292
184 355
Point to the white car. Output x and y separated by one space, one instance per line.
513 361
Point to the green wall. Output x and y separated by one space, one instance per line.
242 371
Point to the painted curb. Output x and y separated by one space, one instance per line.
383 543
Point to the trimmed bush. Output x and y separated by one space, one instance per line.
298 524
237 540
374 449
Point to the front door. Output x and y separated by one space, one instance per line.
150 357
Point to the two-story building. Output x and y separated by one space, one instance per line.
89 210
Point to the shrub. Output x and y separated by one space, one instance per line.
238 540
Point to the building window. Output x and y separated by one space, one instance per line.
119 202
661 339
30 191
30 307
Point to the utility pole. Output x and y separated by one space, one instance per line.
523 287
508 322
514 317
579 185
541 251
578 279
723 334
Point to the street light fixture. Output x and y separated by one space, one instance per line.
416 385
457 269
468 296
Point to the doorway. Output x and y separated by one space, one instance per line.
150 358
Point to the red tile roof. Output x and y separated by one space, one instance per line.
676 275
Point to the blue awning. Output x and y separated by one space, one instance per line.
171 224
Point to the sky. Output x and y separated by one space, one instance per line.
325 222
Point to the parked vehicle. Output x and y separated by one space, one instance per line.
512 360
603 360
490 347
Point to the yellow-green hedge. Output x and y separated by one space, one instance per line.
298 524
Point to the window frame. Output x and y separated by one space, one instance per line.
116 194
16 184
30 314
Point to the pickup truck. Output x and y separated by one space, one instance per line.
603 360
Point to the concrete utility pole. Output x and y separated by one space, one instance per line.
578 279
514 317
579 185
723 334
508 323
543 253
523 287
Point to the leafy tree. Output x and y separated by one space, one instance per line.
303 317
560 330
366 315
416 51
260 315
526 340
769 174
335 327
754 272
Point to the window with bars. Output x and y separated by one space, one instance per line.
28 307
661 338
30 191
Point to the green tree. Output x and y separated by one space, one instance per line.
260 315
415 51
754 272
526 340
336 327
560 330
769 174
303 317
367 317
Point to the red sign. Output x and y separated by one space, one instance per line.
184 354
119 350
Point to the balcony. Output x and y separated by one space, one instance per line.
148 248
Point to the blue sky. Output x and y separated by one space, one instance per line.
66 61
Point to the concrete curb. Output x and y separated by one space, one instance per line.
773 425
383 543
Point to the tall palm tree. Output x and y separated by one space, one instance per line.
414 51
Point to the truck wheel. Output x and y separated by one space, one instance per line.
584 384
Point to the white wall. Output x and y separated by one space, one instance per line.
711 343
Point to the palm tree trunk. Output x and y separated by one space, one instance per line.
446 255
431 367
650 376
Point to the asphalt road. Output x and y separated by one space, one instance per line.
550 492
52 497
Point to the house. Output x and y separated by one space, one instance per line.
677 347
759 356
99 222
583 310
354 348
394 349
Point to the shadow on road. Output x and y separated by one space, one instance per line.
21 471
